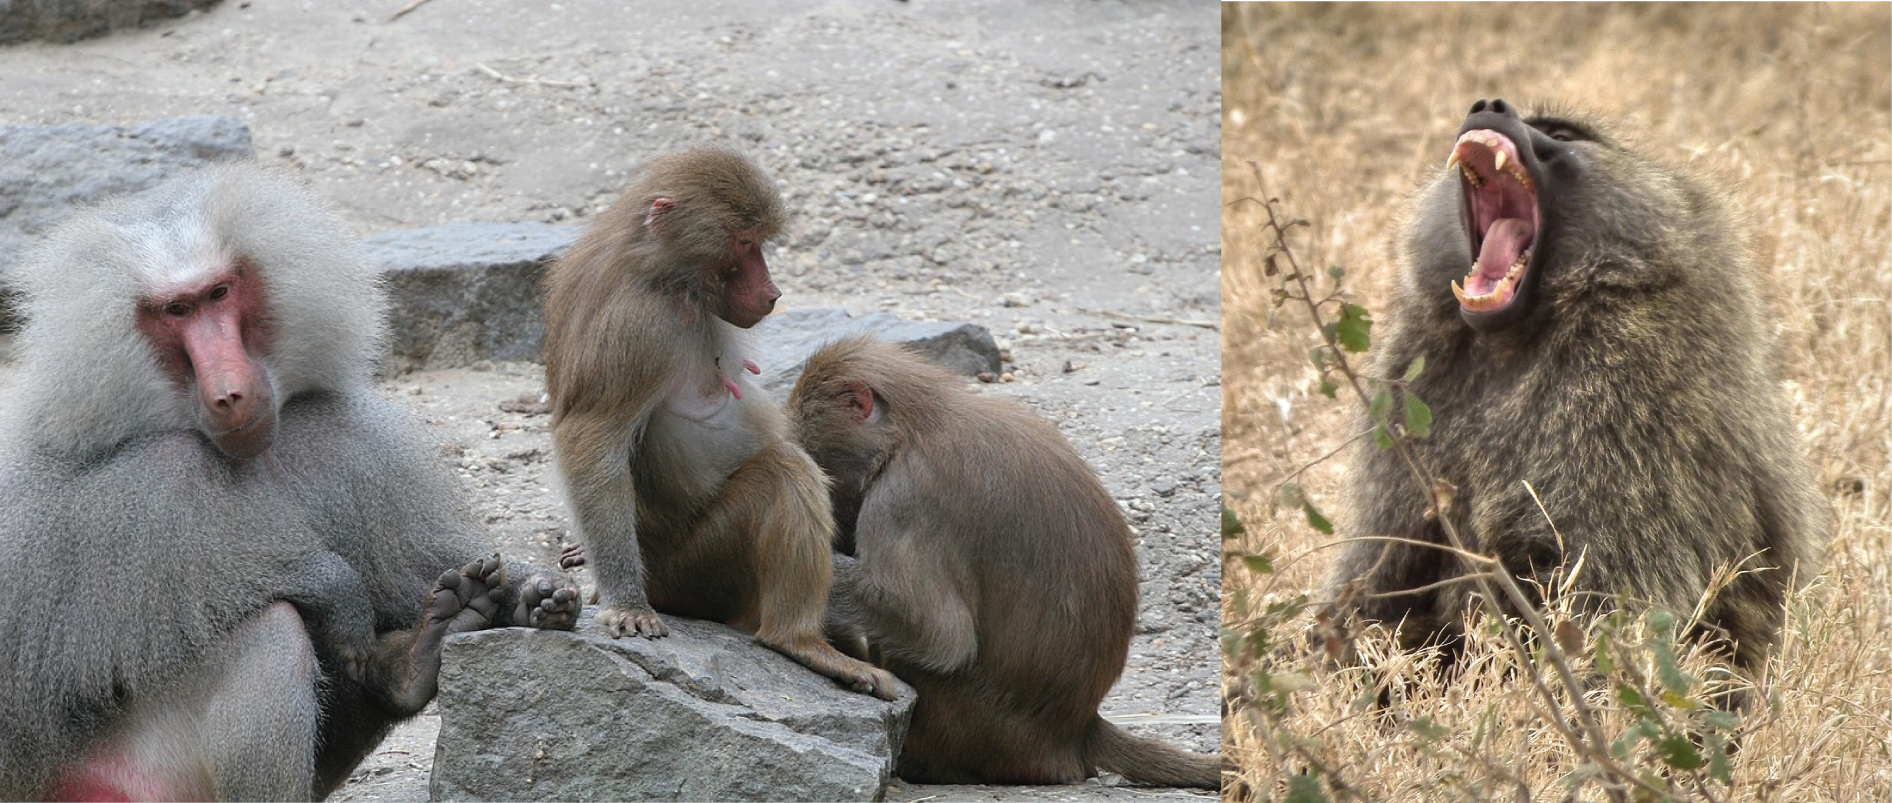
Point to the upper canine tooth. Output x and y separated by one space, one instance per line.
1452 161
1500 160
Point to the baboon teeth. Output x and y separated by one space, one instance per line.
1501 292
1498 158
1452 160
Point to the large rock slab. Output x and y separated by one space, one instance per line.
783 342
703 714
466 292
47 172
72 20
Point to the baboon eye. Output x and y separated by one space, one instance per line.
219 292
177 309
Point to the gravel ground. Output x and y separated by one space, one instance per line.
1044 169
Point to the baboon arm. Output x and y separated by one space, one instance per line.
908 606
595 448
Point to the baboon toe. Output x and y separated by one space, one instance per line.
877 682
572 556
639 621
467 598
548 603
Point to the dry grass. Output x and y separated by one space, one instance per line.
1346 108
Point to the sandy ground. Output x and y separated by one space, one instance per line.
1046 170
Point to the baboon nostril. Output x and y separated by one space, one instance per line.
1498 106
1478 106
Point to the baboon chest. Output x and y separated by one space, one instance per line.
706 428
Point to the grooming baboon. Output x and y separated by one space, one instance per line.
688 495
233 563
1609 347
995 574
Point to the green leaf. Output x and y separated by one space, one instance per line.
1418 417
1318 354
1231 524
1637 704
1381 437
1719 767
1669 671
1259 564
1354 331
1428 729
1288 495
1660 620
1680 753
1412 371
1337 271
1328 388
1316 520
1723 720
1381 406
1305 789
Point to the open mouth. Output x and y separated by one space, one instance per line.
1501 201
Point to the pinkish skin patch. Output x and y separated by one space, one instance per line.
753 368
733 390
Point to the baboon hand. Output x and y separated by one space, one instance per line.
572 556
548 602
621 620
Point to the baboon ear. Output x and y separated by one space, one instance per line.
860 399
656 211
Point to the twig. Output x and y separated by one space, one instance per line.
1125 316
406 8
497 75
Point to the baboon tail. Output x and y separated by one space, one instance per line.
1150 762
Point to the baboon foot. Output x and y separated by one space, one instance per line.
817 654
466 598
622 620
548 602
572 556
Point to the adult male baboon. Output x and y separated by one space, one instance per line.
995 574
1609 347
688 495
232 563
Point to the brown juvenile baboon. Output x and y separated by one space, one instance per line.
994 573
233 563
688 495
1609 346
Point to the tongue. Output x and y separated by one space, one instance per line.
1504 241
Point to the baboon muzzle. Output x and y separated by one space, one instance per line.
1499 180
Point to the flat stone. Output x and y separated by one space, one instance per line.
784 341
466 292
702 714
71 20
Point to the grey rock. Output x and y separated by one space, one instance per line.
784 342
703 714
72 20
47 172
466 292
